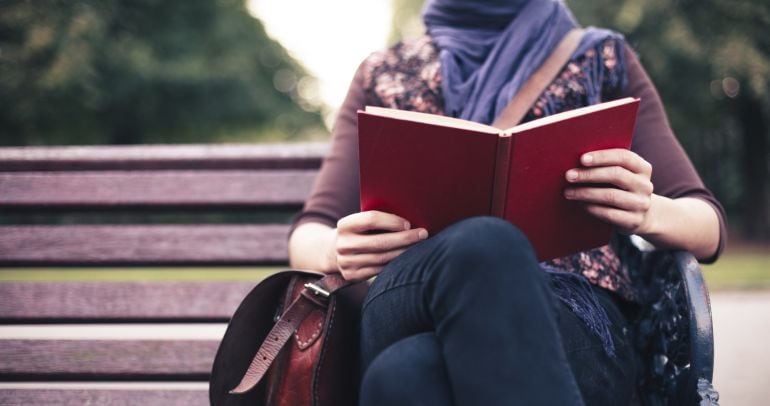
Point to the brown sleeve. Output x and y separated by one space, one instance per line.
673 175
335 193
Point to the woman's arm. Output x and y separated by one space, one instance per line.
358 245
680 212
682 223
311 246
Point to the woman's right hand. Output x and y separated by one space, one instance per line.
367 241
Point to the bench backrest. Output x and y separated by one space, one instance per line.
146 179
142 206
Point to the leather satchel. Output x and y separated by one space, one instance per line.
292 341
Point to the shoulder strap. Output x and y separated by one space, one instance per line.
314 295
536 84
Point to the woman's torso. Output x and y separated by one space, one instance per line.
408 77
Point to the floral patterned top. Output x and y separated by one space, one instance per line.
407 76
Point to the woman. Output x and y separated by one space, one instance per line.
468 316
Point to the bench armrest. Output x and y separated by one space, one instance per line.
673 328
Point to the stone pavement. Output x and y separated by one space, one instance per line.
742 347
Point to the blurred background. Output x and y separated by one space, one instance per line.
82 72
199 71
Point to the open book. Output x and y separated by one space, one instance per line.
434 170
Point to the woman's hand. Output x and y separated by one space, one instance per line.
615 186
367 241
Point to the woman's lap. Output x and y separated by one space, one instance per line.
402 303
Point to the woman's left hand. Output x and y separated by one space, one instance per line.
615 186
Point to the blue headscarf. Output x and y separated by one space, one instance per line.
489 48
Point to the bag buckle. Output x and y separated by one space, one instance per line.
318 290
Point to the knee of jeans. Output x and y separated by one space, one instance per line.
484 241
480 229
406 372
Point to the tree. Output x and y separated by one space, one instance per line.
141 71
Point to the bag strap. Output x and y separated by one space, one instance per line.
314 295
536 84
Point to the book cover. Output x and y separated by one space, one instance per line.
434 170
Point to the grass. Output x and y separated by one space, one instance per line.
737 269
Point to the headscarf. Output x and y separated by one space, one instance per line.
489 48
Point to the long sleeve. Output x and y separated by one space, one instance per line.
335 193
673 175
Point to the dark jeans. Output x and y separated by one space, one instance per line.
467 318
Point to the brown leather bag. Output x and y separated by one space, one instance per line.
292 341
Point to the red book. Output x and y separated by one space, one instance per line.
434 170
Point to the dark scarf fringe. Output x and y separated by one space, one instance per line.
575 291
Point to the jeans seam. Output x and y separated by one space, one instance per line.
388 289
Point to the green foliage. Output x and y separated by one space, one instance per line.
406 21
143 71
739 270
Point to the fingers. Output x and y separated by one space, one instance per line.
615 186
610 197
614 175
617 157
362 274
361 254
366 260
351 243
372 220
364 266
619 167
363 260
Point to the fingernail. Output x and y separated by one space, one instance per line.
568 193
406 225
423 234
587 159
572 174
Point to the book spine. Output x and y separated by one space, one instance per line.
502 170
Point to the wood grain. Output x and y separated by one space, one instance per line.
51 302
277 156
105 359
182 188
79 397
143 244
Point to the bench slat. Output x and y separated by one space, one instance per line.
52 302
288 188
68 360
73 397
143 245
278 156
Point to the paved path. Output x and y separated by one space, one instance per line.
742 347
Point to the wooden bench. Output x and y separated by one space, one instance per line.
171 327
124 212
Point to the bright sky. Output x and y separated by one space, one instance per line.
329 37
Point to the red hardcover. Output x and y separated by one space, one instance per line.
435 171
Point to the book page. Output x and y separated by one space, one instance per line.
569 114
434 119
